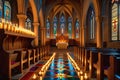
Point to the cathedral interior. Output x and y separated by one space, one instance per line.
59 39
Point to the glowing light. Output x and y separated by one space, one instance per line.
8 26
34 76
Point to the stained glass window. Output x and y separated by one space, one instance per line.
77 28
115 29
55 26
1 8
7 11
48 28
70 27
62 24
92 25
91 22
28 24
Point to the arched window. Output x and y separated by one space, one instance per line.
48 28
55 26
1 9
28 24
62 23
115 29
91 22
77 27
70 27
7 11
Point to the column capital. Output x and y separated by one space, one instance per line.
21 16
36 24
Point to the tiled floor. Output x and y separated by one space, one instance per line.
61 68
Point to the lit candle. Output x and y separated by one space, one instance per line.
1 25
5 26
9 27
34 76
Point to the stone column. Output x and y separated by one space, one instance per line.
35 24
22 19
83 36
42 38
99 32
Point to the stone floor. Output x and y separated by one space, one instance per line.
61 68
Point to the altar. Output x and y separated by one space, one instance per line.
62 41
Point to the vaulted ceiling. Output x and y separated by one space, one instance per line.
54 7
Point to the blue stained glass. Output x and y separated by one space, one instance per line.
77 28
70 27
91 22
55 26
1 8
62 24
48 28
7 11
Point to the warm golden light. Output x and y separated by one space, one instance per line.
45 67
85 76
8 26
34 76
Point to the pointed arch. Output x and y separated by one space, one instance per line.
96 9
47 28
34 10
70 27
55 23
77 28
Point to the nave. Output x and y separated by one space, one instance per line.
60 68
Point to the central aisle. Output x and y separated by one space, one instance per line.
61 68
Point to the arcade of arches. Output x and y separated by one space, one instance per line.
59 39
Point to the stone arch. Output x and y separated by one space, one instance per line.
41 18
75 6
34 10
96 9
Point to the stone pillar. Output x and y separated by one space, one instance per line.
83 36
35 24
42 38
22 19
99 32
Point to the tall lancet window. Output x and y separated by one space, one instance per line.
62 24
28 24
7 11
1 9
77 29
48 28
115 27
91 22
55 27
70 27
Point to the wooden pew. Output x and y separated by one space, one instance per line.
117 68
30 57
24 59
